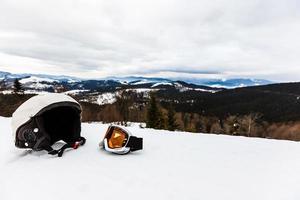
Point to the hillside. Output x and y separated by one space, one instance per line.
173 165
276 102
269 111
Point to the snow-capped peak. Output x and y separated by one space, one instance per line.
35 79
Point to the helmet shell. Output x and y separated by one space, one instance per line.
37 105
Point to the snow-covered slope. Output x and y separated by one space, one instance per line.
106 98
36 79
173 165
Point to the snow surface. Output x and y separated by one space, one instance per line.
173 165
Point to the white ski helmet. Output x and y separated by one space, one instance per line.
45 119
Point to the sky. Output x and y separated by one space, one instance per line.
157 38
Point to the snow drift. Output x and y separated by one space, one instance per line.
173 165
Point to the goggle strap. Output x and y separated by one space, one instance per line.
135 143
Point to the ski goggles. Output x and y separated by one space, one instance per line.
120 141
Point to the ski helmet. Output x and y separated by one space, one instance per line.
45 119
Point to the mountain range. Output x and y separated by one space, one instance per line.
49 82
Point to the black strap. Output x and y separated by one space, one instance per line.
135 143
50 150
80 142
61 150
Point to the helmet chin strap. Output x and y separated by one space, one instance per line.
59 152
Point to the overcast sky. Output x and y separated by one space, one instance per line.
164 38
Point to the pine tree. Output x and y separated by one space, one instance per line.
155 118
123 103
172 125
186 121
161 120
18 88
152 113
2 85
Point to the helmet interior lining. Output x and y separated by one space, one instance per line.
62 123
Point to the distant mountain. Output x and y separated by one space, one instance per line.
235 83
37 83
8 76
228 83
138 79
50 83
217 83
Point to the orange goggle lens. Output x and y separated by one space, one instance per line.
117 139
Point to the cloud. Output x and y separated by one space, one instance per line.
98 38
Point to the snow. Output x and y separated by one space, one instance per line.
35 92
39 86
7 92
123 82
182 88
142 90
36 80
158 84
145 91
173 165
140 82
204 90
76 91
72 81
25 92
107 98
